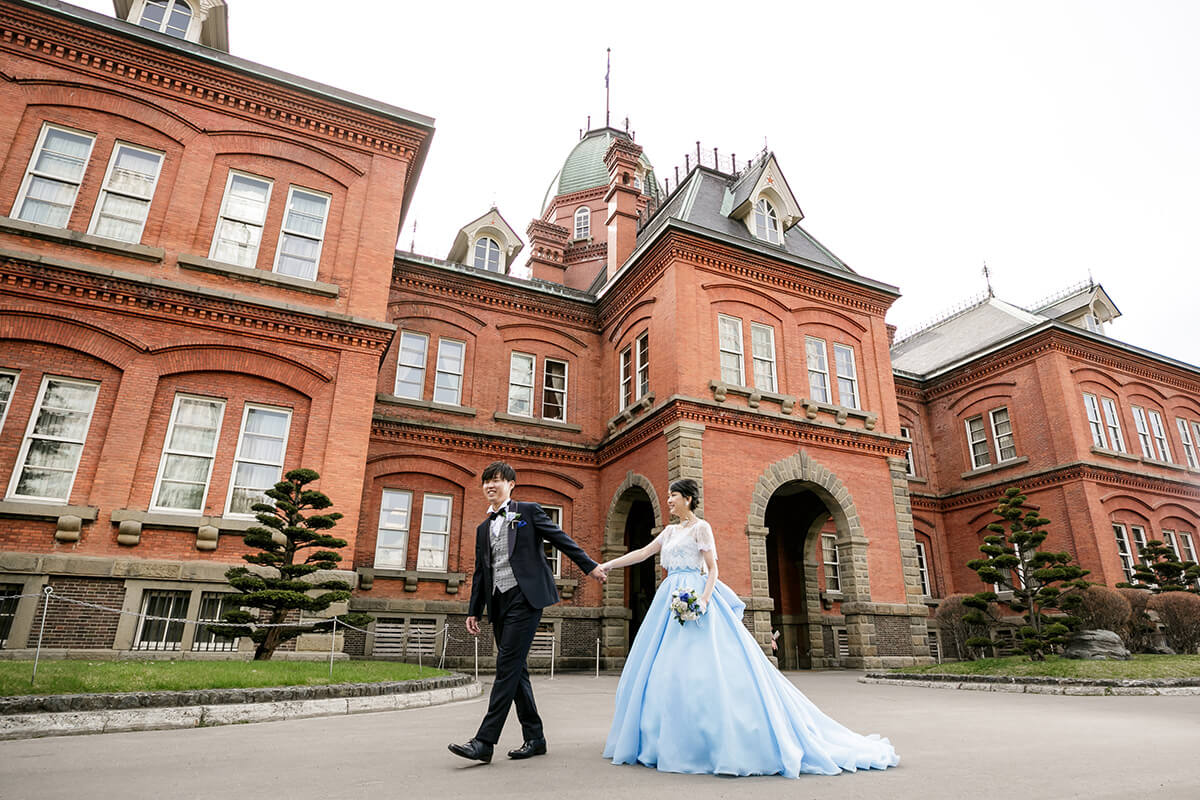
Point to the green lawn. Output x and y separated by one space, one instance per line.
81 677
1142 666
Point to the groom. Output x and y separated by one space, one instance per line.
513 579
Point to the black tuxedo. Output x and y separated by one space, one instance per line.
515 614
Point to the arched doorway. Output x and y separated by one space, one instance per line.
634 519
794 518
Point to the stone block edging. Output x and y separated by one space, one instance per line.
1041 685
219 706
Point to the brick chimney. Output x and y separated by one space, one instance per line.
622 198
546 244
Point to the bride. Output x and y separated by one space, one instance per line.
700 696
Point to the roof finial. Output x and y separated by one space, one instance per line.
607 70
987 277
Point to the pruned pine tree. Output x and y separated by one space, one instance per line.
292 546
1162 570
1039 580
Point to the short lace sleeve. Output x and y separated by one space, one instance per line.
704 538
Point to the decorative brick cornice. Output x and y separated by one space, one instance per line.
496 444
102 55
130 295
587 252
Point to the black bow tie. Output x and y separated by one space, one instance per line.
493 514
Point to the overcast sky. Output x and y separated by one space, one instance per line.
922 139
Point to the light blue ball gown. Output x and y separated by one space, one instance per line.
703 698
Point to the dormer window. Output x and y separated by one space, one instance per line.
171 17
583 222
766 223
487 254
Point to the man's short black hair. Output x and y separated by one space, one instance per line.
498 469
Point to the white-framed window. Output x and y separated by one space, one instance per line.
1123 551
165 632
447 386
410 365
53 443
391 539
1112 422
186 465
243 214
554 390
1094 421
642 351
1187 546
258 465
1002 433
626 397
818 369
923 569
125 197
171 17
435 532
847 375
766 222
487 254
1189 447
583 222
977 441
8 382
520 384
1159 432
908 454
732 362
51 183
1139 539
302 233
1171 542
829 557
762 351
1143 431
553 556
213 606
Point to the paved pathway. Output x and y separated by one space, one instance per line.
952 745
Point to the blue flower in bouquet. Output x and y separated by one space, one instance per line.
685 605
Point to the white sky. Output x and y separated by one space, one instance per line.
922 139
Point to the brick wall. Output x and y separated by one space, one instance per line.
70 625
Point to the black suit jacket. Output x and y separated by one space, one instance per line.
526 555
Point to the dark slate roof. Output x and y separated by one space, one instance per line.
703 199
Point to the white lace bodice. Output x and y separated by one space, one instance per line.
682 547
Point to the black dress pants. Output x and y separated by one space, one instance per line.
514 623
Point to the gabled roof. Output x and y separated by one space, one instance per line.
764 175
970 330
491 224
1089 297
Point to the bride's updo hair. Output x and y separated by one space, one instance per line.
689 489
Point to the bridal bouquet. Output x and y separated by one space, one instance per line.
685 605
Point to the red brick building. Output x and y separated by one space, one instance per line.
201 289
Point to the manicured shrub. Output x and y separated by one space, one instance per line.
1179 613
1102 608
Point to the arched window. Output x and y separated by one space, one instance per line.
487 254
171 17
766 224
583 222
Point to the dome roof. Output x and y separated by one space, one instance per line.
585 169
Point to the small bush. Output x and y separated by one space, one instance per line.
1103 608
1138 633
1179 612
956 631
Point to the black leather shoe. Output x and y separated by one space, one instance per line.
476 750
537 747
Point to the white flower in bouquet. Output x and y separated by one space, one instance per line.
685 605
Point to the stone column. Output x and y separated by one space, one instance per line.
760 587
685 454
898 468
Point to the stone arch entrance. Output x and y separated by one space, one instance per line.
634 519
794 501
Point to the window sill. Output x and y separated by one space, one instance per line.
392 399
915 479
183 520
1167 464
630 412
411 578
543 423
84 240
199 264
828 598
1012 462
1104 451
33 509
787 403
566 587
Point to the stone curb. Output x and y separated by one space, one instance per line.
1110 687
166 716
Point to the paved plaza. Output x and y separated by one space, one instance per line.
953 744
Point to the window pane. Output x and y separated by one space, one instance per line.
247 199
134 172
306 214
450 356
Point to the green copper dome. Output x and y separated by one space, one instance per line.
585 169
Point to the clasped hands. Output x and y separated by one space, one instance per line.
599 574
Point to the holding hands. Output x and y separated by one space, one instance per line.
600 573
